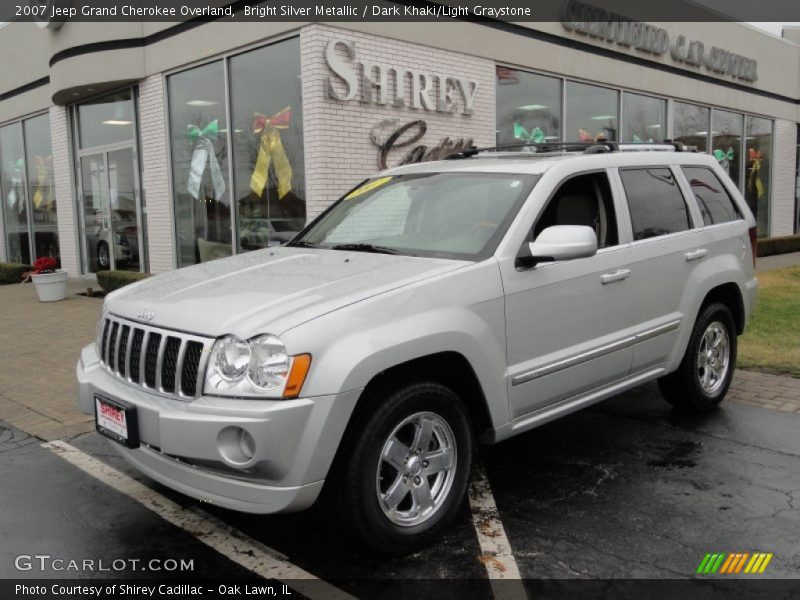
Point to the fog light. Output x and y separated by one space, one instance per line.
236 446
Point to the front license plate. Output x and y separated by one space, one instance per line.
117 420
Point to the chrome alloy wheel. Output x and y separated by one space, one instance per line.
713 358
416 469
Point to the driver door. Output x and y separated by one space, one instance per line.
569 323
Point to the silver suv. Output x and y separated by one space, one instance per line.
432 306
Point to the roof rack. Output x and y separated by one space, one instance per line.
598 147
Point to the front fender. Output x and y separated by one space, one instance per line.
460 312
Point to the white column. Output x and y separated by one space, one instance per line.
68 240
783 178
156 174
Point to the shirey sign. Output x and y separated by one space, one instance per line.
368 82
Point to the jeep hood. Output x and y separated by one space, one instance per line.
268 291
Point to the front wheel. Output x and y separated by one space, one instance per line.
706 371
404 469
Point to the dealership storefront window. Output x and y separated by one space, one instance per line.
726 142
528 112
690 125
26 181
591 113
237 186
644 118
528 107
758 167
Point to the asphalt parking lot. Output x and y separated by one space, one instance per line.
628 489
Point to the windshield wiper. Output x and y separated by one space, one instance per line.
365 248
303 244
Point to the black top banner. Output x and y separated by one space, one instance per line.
599 12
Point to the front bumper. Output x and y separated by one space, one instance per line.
183 445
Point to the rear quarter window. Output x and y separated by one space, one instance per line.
713 200
655 202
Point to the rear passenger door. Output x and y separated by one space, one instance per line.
667 247
724 223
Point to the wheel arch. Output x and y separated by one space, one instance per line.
449 368
730 295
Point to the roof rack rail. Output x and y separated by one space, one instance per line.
532 148
595 147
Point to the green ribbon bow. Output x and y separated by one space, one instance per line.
536 135
721 155
209 131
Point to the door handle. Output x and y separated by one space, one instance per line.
696 254
614 276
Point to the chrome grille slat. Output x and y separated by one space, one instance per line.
174 367
134 369
190 368
122 350
152 360
112 346
162 347
179 366
142 355
169 361
201 370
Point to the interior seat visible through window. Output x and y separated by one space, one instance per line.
583 200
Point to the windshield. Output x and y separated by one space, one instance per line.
449 215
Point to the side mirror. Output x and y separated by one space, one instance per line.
562 242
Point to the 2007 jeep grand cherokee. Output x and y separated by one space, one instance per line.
433 305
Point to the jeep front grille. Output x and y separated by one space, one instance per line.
167 362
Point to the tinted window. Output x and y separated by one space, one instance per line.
712 198
655 202
583 200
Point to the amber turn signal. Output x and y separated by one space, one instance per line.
297 375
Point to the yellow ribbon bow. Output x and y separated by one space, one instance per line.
754 180
41 181
270 151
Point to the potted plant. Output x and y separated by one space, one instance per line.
49 280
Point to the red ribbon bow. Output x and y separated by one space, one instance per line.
280 120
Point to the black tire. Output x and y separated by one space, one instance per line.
357 482
685 388
103 257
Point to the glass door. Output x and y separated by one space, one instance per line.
96 213
110 215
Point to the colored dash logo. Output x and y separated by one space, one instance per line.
734 563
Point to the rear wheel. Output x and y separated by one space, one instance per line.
706 371
103 257
404 469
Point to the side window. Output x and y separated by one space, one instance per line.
583 200
712 198
655 202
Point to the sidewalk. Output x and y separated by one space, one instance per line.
41 344
768 263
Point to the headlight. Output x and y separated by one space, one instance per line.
259 367
232 359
